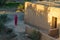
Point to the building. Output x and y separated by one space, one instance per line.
46 0
45 17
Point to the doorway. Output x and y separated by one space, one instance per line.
54 22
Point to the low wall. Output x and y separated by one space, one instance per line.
43 37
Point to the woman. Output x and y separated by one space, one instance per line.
16 19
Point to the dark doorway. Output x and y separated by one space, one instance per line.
54 22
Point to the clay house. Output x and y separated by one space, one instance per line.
45 17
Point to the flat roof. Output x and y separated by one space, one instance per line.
47 3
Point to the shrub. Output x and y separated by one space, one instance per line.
35 35
3 20
12 4
2 2
1 26
9 30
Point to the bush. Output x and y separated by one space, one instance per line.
12 4
1 26
2 2
3 18
35 35
20 7
9 30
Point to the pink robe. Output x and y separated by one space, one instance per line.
16 20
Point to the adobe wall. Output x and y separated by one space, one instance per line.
37 15
54 11
41 15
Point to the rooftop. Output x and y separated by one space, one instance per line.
47 3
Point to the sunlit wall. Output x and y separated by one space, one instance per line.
41 15
54 12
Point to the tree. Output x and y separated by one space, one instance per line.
27 0
3 20
2 2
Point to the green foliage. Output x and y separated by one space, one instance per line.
1 26
3 20
20 7
9 30
2 2
27 0
12 4
35 35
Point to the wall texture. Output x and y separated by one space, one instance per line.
40 15
54 12
36 14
